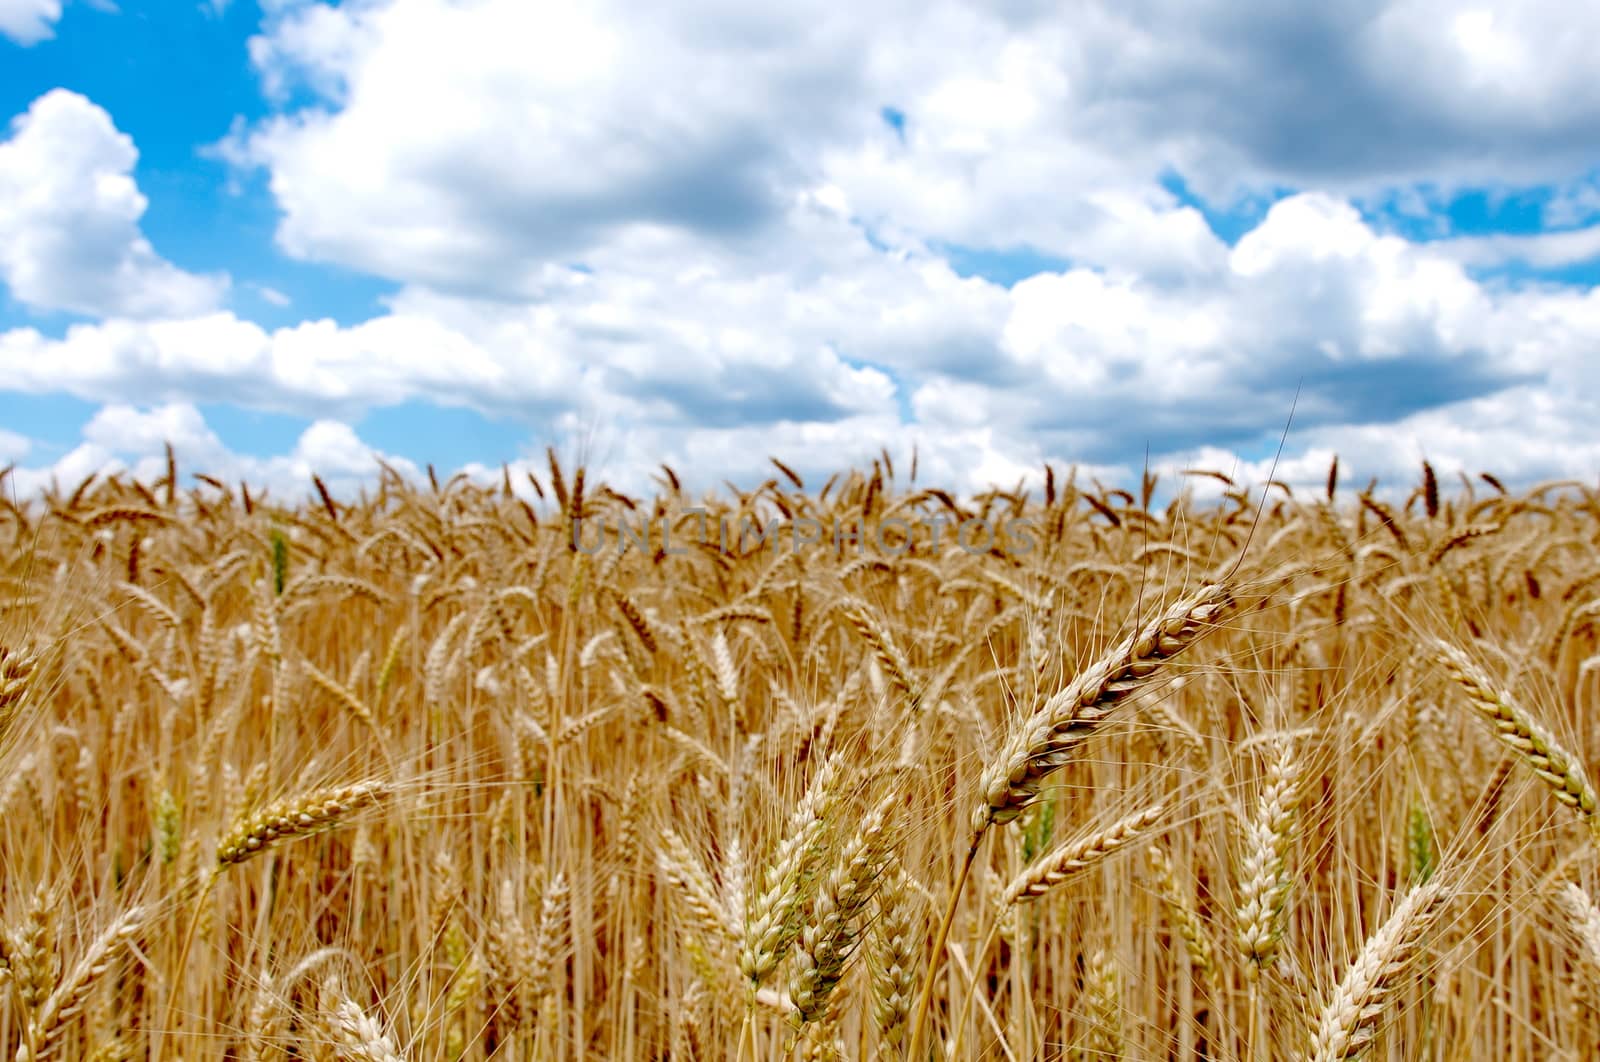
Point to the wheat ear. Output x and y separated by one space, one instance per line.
550 941
1179 905
1557 767
68 999
1102 992
772 921
1584 918
298 816
884 650
829 939
357 1035
1050 737
1349 1020
1072 859
1264 873
893 955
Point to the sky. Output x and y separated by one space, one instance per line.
295 237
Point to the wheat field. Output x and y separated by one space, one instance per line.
443 772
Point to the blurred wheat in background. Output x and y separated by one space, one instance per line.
411 776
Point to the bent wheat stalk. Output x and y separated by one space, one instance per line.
1051 736
250 835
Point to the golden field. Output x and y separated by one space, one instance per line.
442 773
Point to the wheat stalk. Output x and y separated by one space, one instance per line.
1051 736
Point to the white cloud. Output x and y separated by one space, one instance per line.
704 361
563 115
1344 95
1025 124
69 219
685 338
13 447
693 224
1544 250
29 21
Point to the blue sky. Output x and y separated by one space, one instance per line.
300 236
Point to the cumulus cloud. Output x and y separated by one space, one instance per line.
69 219
1373 90
603 349
756 261
575 149
852 349
542 133
29 21
702 343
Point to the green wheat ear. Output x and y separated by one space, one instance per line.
280 559
1421 854
168 839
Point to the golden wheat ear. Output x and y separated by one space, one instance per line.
1074 858
1560 769
70 997
1350 1017
357 1036
1050 737
1265 874
298 816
